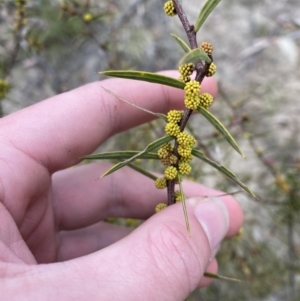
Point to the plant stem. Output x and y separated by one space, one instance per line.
201 70
171 192
189 29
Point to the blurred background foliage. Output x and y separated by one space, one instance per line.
49 47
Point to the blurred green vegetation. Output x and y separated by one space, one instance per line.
48 47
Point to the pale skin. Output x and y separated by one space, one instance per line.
54 244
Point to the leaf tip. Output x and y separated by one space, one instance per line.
104 175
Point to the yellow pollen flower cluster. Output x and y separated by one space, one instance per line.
184 168
172 159
178 197
184 152
160 207
186 140
206 100
186 159
172 129
171 173
186 69
169 8
167 146
192 102
192 88
165 161
184 78
160 183
165 154
207 47
211 70
174 116
162 153
87 17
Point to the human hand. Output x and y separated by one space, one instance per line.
54 244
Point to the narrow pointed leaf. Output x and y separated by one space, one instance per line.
142 171
155 144
222 169
182 195
181 43
194 56
216 276
207 8
158 115
147 77
120 155
220 128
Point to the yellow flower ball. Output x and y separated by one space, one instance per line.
174 116
211 70
160 207
192 102
171 173
186 140
192 88
186 69
87 17
184 152
160 183
172 129
184 168
206 100
207 47
169 8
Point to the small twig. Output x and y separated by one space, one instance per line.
171 192
201 70
189 29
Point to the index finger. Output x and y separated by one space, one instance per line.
60 130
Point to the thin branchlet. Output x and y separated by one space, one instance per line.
201 70
189 29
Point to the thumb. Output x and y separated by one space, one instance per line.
157 261
160 260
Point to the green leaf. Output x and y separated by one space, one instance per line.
159 115
207 8
216 276
147 77
182 195
155 144
182 43
143 171
120 155
222 169
220 128
194 56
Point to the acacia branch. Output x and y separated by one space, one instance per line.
201 71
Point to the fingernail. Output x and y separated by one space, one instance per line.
213 216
